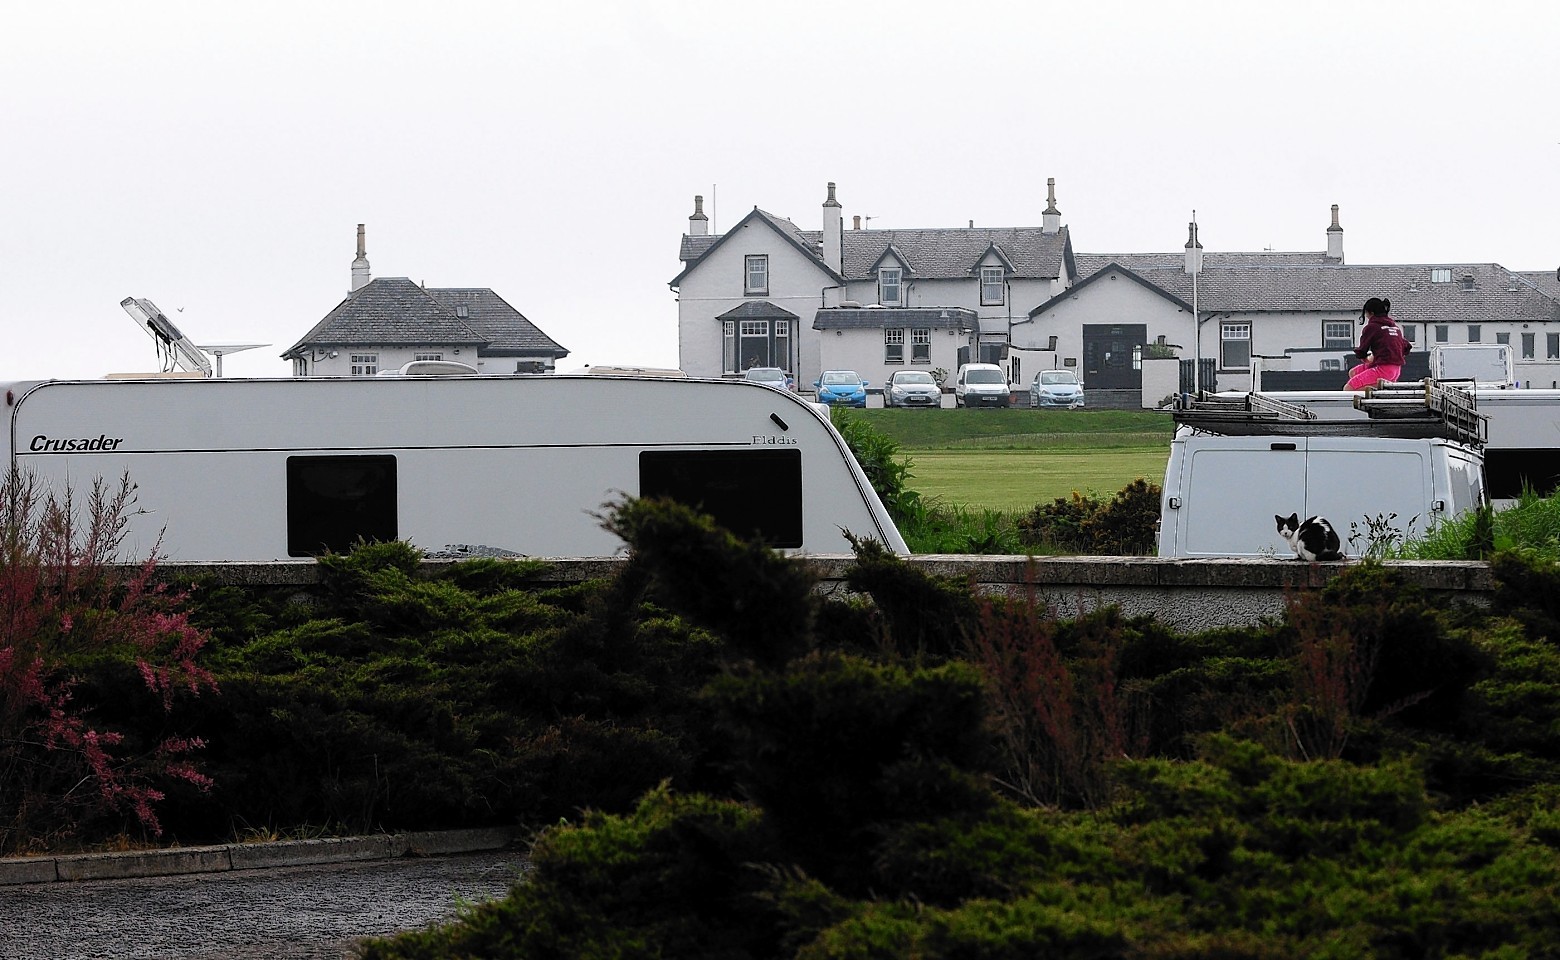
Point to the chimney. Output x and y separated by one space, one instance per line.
1194 249
1335 238
360 276
698 224
1051 219
855 222
833 229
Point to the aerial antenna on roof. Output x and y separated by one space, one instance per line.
174 349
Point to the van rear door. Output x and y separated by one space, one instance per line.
1371 487
1232 488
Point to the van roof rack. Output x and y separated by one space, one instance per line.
1414 410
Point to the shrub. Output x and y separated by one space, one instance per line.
1127 524
67 771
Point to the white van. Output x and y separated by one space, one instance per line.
262 470
981 385
1232 471
1221 493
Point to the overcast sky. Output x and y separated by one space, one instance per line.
216 158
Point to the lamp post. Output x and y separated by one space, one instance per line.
1194 263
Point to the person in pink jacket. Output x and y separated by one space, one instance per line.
1382 347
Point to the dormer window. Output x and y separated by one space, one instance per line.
1467 283
1441 275
992 288
890 286
462 311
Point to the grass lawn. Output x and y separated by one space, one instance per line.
1018 479
1013 459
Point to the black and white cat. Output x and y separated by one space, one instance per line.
1313 540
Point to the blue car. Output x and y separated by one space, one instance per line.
841 388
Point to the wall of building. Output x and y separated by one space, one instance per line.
795 284
393 358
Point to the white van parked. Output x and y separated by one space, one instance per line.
981 385
1230 477
261 470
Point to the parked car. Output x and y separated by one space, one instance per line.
841 388
773 376
912 388
981 385
1056 388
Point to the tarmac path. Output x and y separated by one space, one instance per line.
316 912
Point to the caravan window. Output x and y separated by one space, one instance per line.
752 493
333 502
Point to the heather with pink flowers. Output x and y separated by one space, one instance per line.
66 774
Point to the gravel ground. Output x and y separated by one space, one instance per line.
314 912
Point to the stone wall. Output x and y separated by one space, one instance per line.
1185 594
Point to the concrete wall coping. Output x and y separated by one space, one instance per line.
219 858
1259 573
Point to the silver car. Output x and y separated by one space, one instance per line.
1056 388
912 388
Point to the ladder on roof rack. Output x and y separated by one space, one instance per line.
1453 404
1418 409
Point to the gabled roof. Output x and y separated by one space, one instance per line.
1105 271
994 250
893 253
1262 283
394 311
757 310
508 332
937 254
809 245
388 311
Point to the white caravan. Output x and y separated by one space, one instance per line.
1232 472
261 470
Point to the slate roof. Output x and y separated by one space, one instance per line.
508 332
756 310
1228 285
876 318
948 253
394 311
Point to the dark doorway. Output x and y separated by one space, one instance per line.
1113 355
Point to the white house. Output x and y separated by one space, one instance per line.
769 293
387 322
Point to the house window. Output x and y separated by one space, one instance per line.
427 356
1527 346
991 286
1411 332
1467 283
757 275
365 364
1503 337
1443 332
1475 332
1441 275
1333 364
754 345
921 345
1552 345
889 286
893 346
1338 335
1235 345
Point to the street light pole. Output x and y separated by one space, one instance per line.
1194 260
